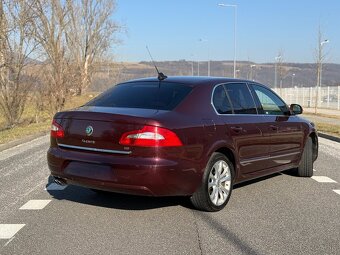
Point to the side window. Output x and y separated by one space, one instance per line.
241 100
271 103
220 101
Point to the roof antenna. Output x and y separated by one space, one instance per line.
161 76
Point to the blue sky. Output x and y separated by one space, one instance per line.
173 28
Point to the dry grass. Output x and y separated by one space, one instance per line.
29 127
322 115
328 128
18 132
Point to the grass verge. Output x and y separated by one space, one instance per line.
29 127
322 115
330 129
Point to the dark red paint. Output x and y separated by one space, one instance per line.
172 170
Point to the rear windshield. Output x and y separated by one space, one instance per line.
146 95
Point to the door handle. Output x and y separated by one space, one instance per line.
236 129
274 127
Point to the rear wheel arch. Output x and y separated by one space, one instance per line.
226 149
217 183
230 155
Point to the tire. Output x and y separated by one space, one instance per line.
305 169
217 184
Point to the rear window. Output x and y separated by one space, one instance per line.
146 95
241 98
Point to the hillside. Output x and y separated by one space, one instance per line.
305 73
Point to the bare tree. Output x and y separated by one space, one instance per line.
50 31
90 35
16 45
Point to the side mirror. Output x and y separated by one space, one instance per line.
296 109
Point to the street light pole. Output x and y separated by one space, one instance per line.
235 20
321 47
192 64
275 81
319 71
237 71
251 72
192 68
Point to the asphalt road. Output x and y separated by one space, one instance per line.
280 214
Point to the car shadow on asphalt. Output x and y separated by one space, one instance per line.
257 180
129 202
115 200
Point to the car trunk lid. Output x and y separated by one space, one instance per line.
100 128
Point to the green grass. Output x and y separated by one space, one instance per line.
28 126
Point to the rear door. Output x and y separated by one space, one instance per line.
235 106
285 130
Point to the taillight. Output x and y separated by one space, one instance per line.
57 130
150 136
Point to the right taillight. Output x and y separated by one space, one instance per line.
57 130
150 136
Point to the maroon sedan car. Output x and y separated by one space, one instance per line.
181 136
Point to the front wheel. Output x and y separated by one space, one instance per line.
305 169
217 183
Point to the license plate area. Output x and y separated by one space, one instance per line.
90 171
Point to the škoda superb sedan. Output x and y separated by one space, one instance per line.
180 136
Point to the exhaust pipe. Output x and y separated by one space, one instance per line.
60 181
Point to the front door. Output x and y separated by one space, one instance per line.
285 131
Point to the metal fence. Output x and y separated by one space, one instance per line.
328 97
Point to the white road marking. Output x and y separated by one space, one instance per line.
337 191
10 240
7 207
324 179
7 231
54 186
35 204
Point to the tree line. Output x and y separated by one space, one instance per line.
48 49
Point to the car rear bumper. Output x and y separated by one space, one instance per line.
125 173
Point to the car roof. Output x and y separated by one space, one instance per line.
191 80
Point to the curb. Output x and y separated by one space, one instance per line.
14 143
330 137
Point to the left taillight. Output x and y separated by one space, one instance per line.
57 130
